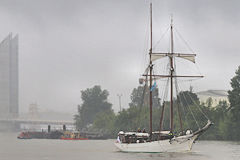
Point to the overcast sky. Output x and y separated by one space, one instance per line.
69 45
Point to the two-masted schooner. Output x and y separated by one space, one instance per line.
161 141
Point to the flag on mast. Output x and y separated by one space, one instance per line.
153 86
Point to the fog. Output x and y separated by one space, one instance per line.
68 46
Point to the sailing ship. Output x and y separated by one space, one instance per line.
162 141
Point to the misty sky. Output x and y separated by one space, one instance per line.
69 45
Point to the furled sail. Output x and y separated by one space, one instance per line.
190 57
158 56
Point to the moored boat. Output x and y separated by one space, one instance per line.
75 135
24 135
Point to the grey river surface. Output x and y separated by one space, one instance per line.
12 148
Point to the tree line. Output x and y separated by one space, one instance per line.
96 113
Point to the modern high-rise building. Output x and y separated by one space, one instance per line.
9 77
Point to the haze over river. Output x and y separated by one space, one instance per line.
12 148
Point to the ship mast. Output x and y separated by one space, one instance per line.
171 78
151 68
171 75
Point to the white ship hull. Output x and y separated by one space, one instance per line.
178 144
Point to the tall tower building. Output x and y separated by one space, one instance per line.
9 77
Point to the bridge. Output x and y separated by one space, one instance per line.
15 124
31 121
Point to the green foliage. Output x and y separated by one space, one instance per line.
188 104
134 117
95 109
234 99
104 122
94 101
137 96
187 98
140 97
218 115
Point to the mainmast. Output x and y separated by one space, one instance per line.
151 68
171 78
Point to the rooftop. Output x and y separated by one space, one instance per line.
214 93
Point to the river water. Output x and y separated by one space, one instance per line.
12 148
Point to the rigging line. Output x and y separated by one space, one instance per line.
144 59
178 106
143 95
166 90
169 49
198 68
162 91
144 56
144 91
196 64
166 93
177 93
185 115
162 67
163 105
155 81
198 106
165 68
184 111
154 47
190 110
168 81
179 115
178 33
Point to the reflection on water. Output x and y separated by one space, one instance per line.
15 149
165 156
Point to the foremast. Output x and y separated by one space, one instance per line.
150 70
171 79
171 76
